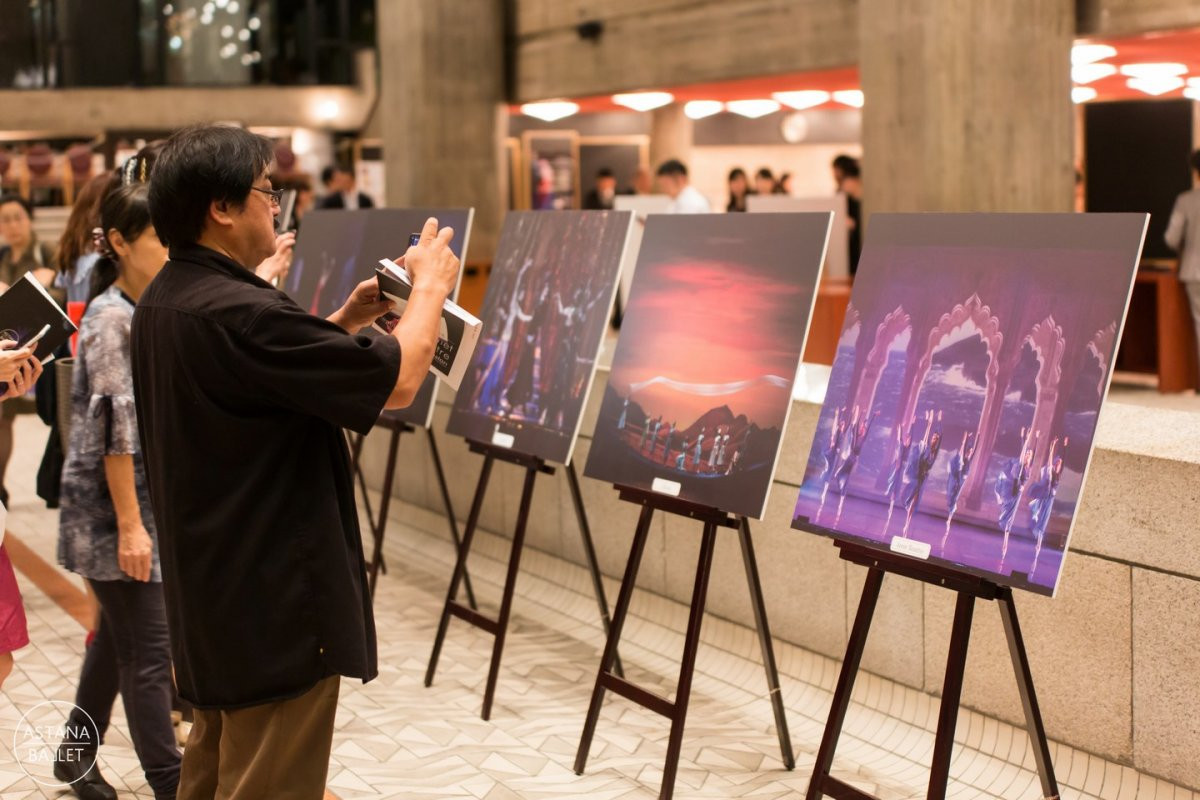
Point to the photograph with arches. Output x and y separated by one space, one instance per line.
974 358
547 307
701 382
337 249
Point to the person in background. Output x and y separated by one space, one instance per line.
76 250
106 527
1183 236
601 197
20 370
22 253
848 176
685 199
342 190
739 188
242 399
764 181
784 186
643 182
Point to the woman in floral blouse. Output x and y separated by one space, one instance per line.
106 528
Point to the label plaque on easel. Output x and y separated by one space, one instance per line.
973 361
338 249
701 382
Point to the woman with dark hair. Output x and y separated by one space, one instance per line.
106 528
76 249
739 188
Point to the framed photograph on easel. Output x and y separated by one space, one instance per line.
550 174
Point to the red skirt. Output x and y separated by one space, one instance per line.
13 633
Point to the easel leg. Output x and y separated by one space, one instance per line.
589 552
441 476
379 524
956 662
460 568
845 684
764 640
356 446
690 645
1033 714
510 583
614 635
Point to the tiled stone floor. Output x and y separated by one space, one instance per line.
397 739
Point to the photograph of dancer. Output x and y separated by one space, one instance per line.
974 348
710 343
544 316
338 249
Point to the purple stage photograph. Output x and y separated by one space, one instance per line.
338 249
701 382
548 303
974 358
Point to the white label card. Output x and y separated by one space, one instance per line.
664 486
506 440
910 547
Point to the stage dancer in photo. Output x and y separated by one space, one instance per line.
1042 493
721 455
852 449
1010 484
735 462
667 444
956 479
898 477
699 448
488 393
926 456
831 454
521 395
712 451
624 415
645 433
565 384
681 459
654 436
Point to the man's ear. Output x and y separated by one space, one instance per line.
219 213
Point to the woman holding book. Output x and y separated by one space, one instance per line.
106 529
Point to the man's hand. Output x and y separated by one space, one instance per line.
430 263
135 551
361 309
278 264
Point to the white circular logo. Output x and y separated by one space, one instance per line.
46 738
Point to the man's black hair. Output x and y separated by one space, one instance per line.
848 165
327 174
9 197
1195 160
605 172
200 165
672 167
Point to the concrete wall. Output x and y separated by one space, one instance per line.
1113 654
1124 17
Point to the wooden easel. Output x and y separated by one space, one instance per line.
969 589
609 679
498 627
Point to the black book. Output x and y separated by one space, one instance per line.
28 313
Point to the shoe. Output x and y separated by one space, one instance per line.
77 768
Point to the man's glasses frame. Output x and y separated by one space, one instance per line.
276 195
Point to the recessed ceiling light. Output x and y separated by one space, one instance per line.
699 109
1156 85
1088 53
1081 94
1160 70
1087 73
850 97
1192 92
752 109
808 98
551 110
644 101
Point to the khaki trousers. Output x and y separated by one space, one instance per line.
276 751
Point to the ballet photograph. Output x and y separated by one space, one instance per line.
701 382
972 364
548 303
336 250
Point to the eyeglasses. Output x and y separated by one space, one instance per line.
276 195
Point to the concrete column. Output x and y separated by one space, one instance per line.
441 108
670 135
968 105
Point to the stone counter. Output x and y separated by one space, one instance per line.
1113 654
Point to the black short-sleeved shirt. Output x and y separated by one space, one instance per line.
241 398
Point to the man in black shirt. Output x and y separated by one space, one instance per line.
242 397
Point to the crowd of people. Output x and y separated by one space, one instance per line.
171 260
